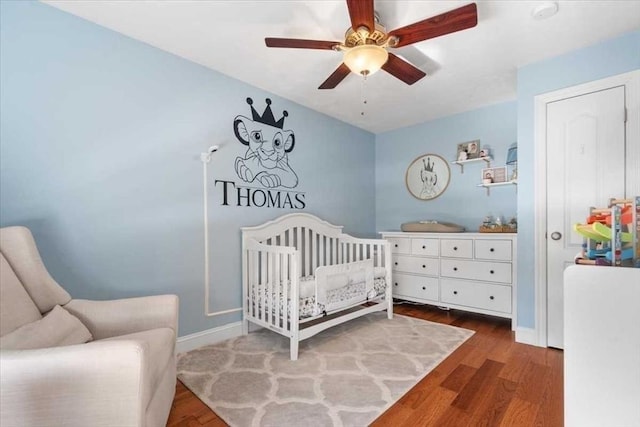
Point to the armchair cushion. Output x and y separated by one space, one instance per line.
16 306
106 319
20 250
56 329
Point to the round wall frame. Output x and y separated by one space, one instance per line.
428 176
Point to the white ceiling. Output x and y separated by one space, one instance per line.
465 70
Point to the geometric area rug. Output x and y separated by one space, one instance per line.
345 376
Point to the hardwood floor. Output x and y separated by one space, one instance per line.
490 380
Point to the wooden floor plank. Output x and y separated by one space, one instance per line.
522 413
553 394
459 378
533 383
478 386
430 412
495 403
488 381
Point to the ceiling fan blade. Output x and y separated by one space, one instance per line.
402 70
361 14
300 43
449 22
336 77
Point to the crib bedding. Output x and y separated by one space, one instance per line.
343 296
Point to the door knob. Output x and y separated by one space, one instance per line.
556 235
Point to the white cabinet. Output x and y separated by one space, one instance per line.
467 271
601 346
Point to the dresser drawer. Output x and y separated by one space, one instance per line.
456 248
476 270
493 249
486 296
400 245
426 247
424 288
417 265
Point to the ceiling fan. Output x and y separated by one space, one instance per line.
365 48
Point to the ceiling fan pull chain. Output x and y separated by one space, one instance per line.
363 89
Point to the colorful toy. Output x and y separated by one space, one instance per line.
611 234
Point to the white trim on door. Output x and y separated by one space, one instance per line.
631 81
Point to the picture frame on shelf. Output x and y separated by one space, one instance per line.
494 175
468 150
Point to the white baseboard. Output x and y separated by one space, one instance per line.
526 336
209 336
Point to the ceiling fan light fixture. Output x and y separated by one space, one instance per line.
365 59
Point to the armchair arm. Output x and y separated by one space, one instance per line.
107 319
95 384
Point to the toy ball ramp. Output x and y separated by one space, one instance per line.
626 216
599 232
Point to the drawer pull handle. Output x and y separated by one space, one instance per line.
424 266
424 247
455 248
455 292
395 263
491 271
491 297
424 288
455 268
396 245
396 283
491 250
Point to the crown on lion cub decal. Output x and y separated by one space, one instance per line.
267 116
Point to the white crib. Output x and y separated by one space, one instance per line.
331 276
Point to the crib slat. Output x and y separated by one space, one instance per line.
299 243
248 270
254 280
294 320
278 289
254 283
285 291
263 283
307 251
312 252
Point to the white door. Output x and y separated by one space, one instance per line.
585 167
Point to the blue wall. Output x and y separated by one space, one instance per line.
462 202
100 140
602 60
99 156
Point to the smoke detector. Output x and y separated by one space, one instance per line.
545 10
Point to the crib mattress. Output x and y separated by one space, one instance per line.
336 298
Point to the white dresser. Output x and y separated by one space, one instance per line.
467 271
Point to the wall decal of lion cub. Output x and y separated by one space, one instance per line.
266 160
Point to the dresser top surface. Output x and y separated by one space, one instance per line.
463 235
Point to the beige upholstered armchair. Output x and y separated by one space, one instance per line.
66 362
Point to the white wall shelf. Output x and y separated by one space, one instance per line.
498 184
461 163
